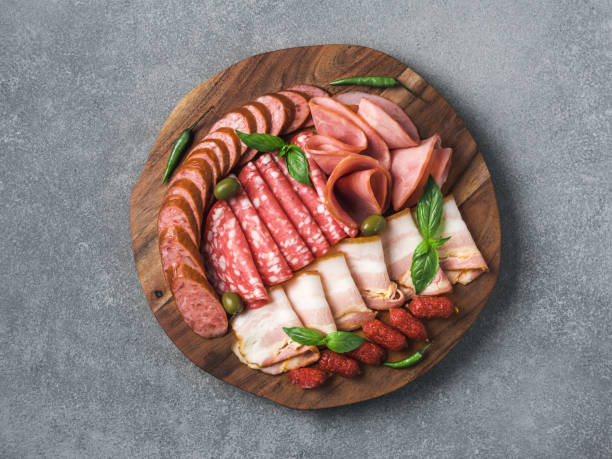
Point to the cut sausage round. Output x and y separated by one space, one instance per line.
219 148
188 190
175 211
282 112
239 119
263 120
231 140
300 105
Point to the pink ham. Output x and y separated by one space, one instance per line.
376 148
358 187
328 151
459 257
400 238
438 168
345 301
390 130
301 109
228 255
263 121
261 342
292 205
329 226
365 258
291 244
305 291
408 168
268 258
239 119
391 108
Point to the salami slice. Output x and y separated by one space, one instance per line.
176 247
240 119
231 140
187 189
175 211
300 105
292 246
220 150
229 254
269 260
282 112
263 121
331 228
292 205
196 301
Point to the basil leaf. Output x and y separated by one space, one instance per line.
424 265
429 208
304 336
261 142
283 151
341 341
298 164
435 243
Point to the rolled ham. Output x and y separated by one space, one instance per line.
345 301
261 342
459 257
358 187
390 130
366 260
306 294
399 239
328 151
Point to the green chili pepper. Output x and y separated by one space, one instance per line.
410 360
179 147
374 82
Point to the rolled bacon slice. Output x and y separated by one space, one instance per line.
261 342
365 258
345 301
376 148
459 257
358 187
399 239
389 129
328 151
305 291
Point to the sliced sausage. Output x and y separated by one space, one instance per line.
219 148
239 119
312 91
282 112
176 247
300 105
200 173
187 189
231 140
175 211
263 120
210 157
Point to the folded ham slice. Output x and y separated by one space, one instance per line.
459 257
328 151
390 130
345 301
261 342
366 260
320 107
358 187
306 294
391 108
399 239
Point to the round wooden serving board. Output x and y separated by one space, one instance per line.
469 180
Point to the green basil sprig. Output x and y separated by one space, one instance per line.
338 341
297 164
429 216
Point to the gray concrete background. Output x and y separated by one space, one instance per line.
87 371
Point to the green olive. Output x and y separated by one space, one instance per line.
373 225
226 188
232 303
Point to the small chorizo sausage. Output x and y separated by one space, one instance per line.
410 326
385 335
368 353
307 378
424 307
339 364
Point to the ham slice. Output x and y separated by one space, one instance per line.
399 239
358 187
328 151
459 257
391 108
408 168
376 148
390 130
345 301
305 291
366 260
261 342
438 168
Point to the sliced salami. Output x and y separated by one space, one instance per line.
269 260
331 228
240 119
231 140
196 301
295 209
282 112
176 247
229 254
291 244
301 108
187 189
175 211
263 121
220 150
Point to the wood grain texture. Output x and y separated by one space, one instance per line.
469 180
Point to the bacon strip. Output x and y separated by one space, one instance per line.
261 342
400 238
